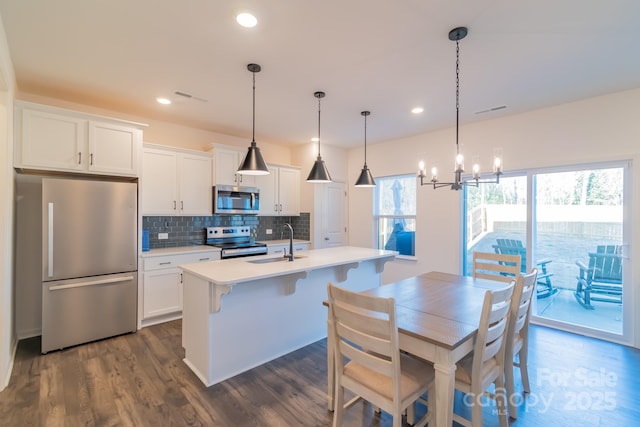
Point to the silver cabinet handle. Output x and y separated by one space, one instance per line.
326 238
174 205
165 263
275 207
79 157
181 205
92 283
50 241
204 259
91 159
280 208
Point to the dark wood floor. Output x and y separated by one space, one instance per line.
140 380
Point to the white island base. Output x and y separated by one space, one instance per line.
231 325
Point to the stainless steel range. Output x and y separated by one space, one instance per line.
234 242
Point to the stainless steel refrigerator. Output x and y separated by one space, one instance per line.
89 260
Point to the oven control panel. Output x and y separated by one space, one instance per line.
222 232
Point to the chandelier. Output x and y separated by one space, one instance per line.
456 35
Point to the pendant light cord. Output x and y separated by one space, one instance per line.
365 140
253 132
319 97
457 92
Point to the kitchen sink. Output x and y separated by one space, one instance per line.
277 259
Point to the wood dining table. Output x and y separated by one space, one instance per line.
438 315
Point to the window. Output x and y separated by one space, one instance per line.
395 213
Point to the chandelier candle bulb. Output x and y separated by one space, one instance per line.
422 172
497 165
434 174
476 171
459 163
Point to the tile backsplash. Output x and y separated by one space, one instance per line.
190 230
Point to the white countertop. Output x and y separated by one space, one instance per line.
179 250
236 270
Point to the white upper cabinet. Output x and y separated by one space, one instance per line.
49 138
280 191
175 182
227 159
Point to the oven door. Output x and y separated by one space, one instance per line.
232 200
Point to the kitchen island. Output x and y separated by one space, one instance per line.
243 312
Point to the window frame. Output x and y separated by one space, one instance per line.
378 217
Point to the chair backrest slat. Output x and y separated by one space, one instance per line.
493 326
606 264
492 266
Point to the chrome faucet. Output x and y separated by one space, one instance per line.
290 255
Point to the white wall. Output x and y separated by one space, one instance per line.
7 88
311 198
592 130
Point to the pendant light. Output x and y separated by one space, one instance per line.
458 182
365 179
253 163
319 172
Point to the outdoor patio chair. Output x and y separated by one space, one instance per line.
515 247
491 266
601 280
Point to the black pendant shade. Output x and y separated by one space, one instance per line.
365 179
253 163
319 173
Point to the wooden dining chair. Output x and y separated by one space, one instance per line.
518 336
485 365
367 358
492 266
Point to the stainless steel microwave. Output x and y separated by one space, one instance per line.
232 200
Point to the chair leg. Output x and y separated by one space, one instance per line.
511 389
501 400
524 371
338 406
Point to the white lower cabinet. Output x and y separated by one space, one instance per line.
281 248
161 297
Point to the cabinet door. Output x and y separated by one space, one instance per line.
226 166
277 249
159 182
52 141
162 292
289 191
227 162
195 185
300 247
268 194
113 149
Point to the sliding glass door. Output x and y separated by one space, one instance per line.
569 223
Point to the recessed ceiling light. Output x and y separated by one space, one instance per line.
247 20
163 101
315 139
417 110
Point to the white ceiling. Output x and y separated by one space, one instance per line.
379 55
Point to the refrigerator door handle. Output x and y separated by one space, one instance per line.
91 283
50 241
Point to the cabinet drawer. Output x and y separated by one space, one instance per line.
173 261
